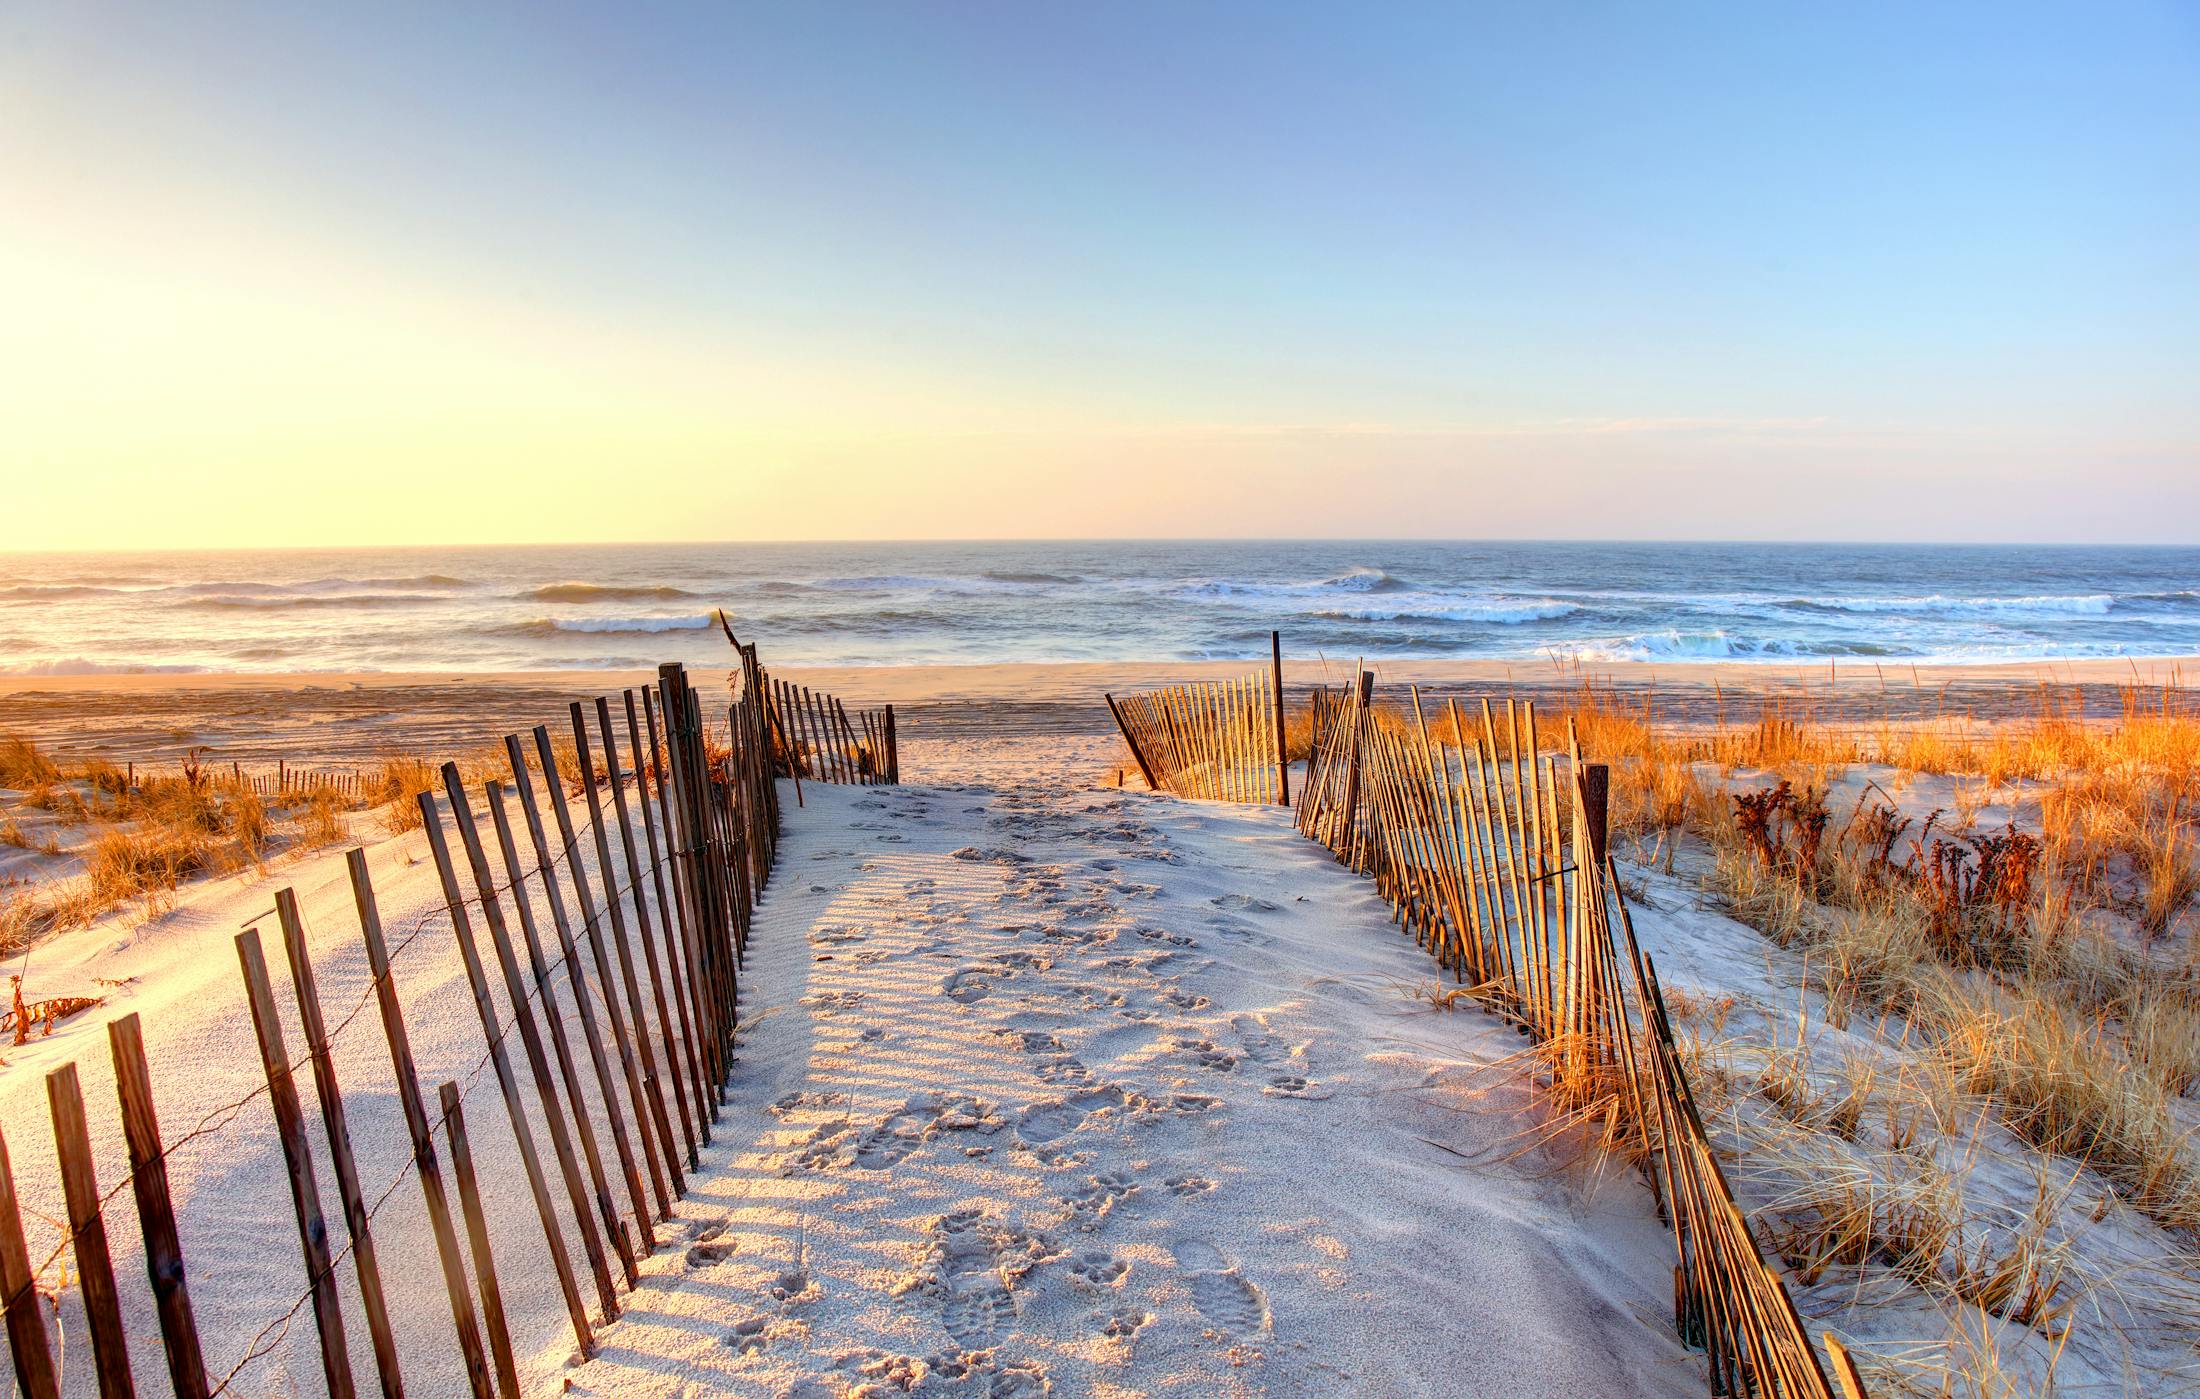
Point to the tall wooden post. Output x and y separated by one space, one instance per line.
72 1140
1144 768
1352 773
1596 799
305 1191
179 1331
893 750
35 1376
1283 762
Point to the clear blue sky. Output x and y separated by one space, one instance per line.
1740 270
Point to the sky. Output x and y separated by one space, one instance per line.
418 273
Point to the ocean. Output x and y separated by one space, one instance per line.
617 606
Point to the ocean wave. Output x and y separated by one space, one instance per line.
602 592
1496 612
239 587
609 626
40 592
261 602
1005 575
1352 580
890 582
1717 644
2078 605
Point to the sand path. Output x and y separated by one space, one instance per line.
1049 1090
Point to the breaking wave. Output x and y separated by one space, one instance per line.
602 592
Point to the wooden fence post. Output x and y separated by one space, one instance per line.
1349 844
644 1085
477 1230
338 1130
1596 796
1145 769
305 1191
493 1030
672 913
1283 761
26 1306
423 1141
179 1330
893 750
72 1141
682 1087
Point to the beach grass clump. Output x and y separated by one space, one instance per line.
394 788
24 767
124 865
2061 1085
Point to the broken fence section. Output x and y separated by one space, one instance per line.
680 822
1221 740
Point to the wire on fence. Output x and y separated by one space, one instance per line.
720 820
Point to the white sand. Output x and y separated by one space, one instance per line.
1041 1087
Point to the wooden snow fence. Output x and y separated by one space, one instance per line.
822 740
1492 854
1219 740
656 874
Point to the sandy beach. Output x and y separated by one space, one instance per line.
340 719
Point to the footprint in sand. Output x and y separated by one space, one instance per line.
1043 1122
966 1275
967 984
1232 1306
1188 1186
1097 1271
1092 1203
1293 1086
793 1288
1124 1325
1244 903
1201 1053
1260 1046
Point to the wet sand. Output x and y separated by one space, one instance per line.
349 718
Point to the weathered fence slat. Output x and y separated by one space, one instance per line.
305 1191
425 1164
530 1040
72 1140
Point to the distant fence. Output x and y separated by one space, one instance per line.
1222 740
678 896
1492 853
818 738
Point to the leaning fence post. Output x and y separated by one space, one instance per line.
179 1331
477 1233
338 1129
72 1141
1145 770
1352 773
416 1126
1596 796
34 1370
1283 761
305 1191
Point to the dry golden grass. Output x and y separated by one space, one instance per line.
2063 1086
394 787
22 766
